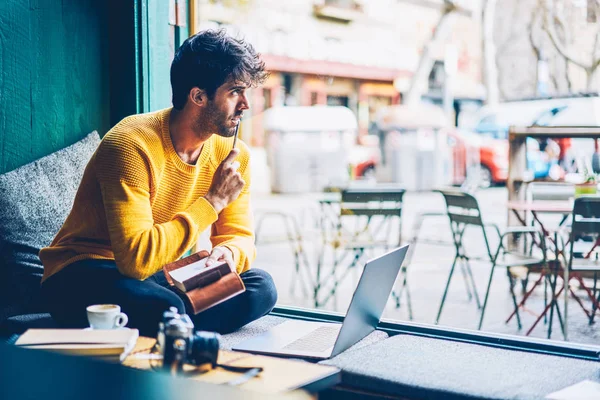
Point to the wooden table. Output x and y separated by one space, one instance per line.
279 374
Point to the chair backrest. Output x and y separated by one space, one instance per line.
586 216
462 208
586 223
549 191
372 201
371 215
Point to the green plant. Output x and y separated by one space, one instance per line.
589 176
588 173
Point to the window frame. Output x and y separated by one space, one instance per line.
508 342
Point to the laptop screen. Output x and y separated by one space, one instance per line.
369 299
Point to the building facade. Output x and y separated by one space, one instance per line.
359 54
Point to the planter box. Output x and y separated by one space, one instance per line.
582 189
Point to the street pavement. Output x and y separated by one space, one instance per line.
427 273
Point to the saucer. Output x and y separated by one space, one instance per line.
89 328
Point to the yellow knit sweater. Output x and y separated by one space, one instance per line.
142 206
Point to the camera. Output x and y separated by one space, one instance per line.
180 344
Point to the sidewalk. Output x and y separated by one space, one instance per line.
427 274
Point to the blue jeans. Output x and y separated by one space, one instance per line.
68 292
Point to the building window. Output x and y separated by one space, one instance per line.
337 101
268 99
314 98
337 10
343 3
436 77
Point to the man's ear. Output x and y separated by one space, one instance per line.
198 97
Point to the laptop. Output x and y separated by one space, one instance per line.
318 340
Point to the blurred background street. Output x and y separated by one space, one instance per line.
427 273
499 99
420 95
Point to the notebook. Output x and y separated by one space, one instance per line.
205 287
197 275
109 344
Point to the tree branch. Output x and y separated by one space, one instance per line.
530 27
549 27
594 50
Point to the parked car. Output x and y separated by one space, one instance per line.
575 110
538 161
488 155
493 157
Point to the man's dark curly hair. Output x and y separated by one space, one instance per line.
210 58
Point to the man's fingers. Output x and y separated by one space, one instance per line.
214 256
231 168
203 254
219 254
231 156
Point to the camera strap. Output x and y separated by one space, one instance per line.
232 368
249 373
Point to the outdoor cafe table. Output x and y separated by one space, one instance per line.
536 207
332 209
561 207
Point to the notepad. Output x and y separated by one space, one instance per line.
197 274
205 287
110 344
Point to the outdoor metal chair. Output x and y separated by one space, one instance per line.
367 220
293 235
585 223
463 212
469 186
545 191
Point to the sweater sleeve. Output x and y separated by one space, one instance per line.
140 246
234 228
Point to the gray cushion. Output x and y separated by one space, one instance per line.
263 324
254 328
18 324
419 367
35 200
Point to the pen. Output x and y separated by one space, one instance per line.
235 135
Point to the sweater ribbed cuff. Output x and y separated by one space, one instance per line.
200 215
236 256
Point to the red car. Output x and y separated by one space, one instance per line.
468 149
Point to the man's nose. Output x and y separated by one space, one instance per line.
244 104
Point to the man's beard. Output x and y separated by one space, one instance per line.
219 122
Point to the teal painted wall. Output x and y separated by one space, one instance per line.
54 79
68 67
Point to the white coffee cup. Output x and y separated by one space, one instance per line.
106 316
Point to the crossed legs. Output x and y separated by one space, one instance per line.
71 290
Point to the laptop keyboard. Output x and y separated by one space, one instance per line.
318 340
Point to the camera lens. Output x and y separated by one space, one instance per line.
204 348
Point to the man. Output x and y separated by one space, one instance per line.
156 182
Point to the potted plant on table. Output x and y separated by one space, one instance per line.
589 184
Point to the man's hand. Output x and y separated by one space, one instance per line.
221 253
226 184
